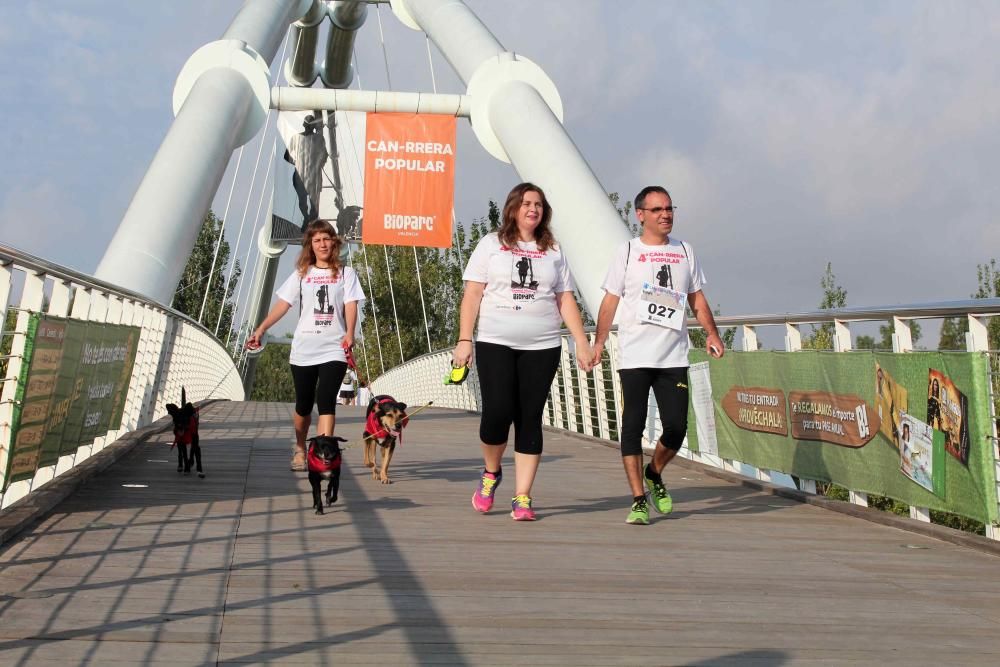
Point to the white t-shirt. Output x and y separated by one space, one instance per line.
347 384
364 395
672 266
321 324
519 307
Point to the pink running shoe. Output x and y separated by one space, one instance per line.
482 499
520 509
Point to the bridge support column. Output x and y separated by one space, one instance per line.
516 114
260 293
220 101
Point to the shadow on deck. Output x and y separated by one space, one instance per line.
145 566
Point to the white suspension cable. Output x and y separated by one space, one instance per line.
243 220
416 260
392 296
218 242
252 244
381 38
243 332
430 61
423 306
253 179
364 348
454 220
378 338
364 248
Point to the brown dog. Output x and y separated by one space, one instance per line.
384 422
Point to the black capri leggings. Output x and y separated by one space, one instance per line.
670 387
514 384
317 384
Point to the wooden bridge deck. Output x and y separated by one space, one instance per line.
237 569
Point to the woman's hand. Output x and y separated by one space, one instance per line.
597 351
584 356
348 341
462 355
253 342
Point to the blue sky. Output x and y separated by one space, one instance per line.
791 134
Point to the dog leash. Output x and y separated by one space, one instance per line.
408 416
457 376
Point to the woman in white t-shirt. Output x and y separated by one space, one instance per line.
364 393
518 285
347 388
328 295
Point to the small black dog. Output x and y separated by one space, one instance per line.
323 459
186 435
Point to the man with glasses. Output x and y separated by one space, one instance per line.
653 341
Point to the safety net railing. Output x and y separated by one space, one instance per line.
84 362
914 426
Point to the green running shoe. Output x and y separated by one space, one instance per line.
658 496
639 514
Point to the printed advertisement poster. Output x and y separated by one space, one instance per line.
814 415
409 179
757 409
919 455
947 411
704 408
840 419
890 403
74 390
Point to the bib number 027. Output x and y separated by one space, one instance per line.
661 306
659 310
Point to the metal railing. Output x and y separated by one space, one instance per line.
173 352
590 403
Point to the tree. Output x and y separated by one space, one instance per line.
699 338
885 343
272 379
441 275
834 296
195 280
623 211
953 329
989 287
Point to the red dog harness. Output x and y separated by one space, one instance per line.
375 428
316 464
187 435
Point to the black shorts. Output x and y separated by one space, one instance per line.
346 394
670 388
317 385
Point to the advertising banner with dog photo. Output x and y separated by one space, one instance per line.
842 418
409 179
74 390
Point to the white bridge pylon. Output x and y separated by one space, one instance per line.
225 90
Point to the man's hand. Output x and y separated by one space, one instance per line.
597 350
714 346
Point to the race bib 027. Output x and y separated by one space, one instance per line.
662 306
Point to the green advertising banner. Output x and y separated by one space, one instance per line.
74 384
914 426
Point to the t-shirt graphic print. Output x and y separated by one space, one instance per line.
523 284
519 307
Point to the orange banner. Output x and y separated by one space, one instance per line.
409 179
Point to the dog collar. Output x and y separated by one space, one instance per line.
316 464
376 430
